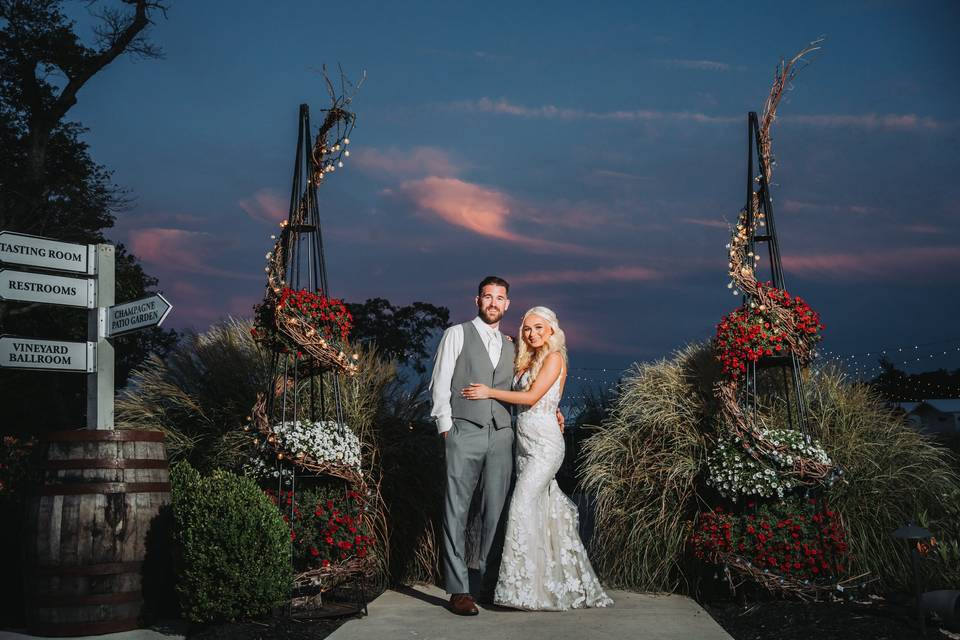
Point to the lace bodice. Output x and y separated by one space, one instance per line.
547 405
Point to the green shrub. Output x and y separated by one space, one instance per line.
232 547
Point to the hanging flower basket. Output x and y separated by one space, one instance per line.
797 546
735 474
331 533
322 447
751 333
306 324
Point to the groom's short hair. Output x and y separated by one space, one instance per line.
500 282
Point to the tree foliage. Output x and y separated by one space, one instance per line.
401 333
51 186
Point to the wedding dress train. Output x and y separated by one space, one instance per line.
544 566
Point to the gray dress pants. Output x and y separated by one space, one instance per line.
475 454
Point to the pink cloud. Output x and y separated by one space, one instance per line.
417 161
572 215
699 65
266 205
606 274
869 121
589 337
707 222
481 210
925 229
883 263
200 305
797 206
178 250
551 112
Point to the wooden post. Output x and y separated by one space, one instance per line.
100 382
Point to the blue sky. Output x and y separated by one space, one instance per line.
590 154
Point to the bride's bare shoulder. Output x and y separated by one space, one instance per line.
553 360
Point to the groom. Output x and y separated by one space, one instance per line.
478 438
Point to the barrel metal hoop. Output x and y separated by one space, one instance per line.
104 435
103 487
114 463
104 569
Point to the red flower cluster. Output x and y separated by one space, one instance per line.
328 530
748 334
329 316
796 539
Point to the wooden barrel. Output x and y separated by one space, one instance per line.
86 529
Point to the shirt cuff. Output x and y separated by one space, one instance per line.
444 424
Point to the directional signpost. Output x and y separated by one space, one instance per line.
95 292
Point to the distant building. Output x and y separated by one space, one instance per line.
934 417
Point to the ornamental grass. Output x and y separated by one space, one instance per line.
201 394
642 464
892 474
647 460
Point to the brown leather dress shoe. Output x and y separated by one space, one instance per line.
462 604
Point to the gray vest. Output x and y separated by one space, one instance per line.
473 365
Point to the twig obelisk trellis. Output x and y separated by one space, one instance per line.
762 229
739 396
300 255
308 330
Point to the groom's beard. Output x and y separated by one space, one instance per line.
491 316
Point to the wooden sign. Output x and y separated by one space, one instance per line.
47 355
33 251
137 314
49 289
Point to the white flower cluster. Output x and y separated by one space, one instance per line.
734 473
262 467
323 440
320 441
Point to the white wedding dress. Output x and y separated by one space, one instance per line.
544 566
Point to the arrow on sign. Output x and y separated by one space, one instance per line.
137 314
40 287
34 251
50 355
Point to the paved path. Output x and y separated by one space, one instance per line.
419 613
136 634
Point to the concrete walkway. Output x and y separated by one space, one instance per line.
419 613
136 634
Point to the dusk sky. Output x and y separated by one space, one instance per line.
592 154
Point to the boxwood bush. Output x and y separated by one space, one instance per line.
232 547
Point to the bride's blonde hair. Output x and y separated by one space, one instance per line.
532 359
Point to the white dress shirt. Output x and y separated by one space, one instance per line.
451 344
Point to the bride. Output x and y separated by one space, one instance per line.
545 566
